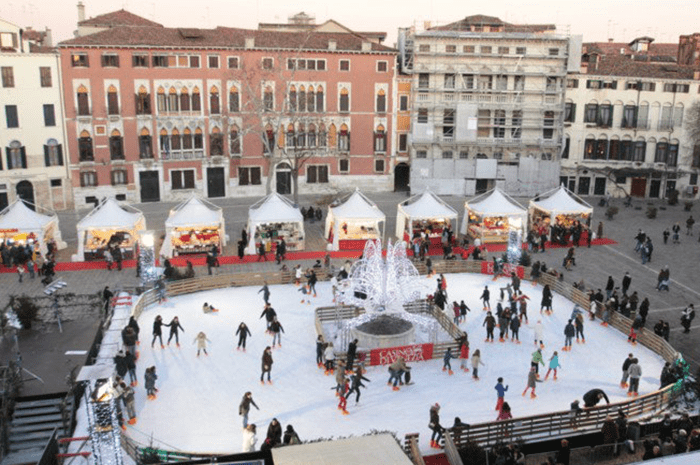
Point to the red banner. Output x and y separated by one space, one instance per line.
414 353
508 268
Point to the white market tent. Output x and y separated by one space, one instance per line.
493 204
106 218
382 448
560 201
273 208
19 223
195 214
355 210
425 206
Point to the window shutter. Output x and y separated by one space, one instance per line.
189 179
59 151
573 112
588 84
323 174
7 157
47 161
23 154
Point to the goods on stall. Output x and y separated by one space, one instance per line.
491 216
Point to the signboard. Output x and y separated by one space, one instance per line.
412 353
508 268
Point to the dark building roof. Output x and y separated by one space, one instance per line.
222 37
118 18
620 65
471 22
623 48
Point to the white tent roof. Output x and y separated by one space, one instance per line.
357 206
19 216
274 209
110 215
193 212
377 448
427 205
562 201
496 203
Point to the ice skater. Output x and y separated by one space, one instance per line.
320 348
266 365
342 400
269 313
329 357
446 365
175 326
546 305
625 371
435 426
244 407
515 329
463 353
501 392
485 297
531 383
158 331
569 333
476 361
539 330
490 323
553 365
150 378
536 361
242 332
305 294
276 329
635 372
266 292
356 384
201 341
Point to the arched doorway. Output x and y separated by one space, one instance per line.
402 176
283 178
25 191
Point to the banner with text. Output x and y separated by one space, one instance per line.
508 268
413 353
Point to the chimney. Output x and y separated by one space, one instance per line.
611 40
250 42
332 44
48 39
366 46
81 12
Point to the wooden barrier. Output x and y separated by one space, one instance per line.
412 449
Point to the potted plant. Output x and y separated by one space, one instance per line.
611 212
651 212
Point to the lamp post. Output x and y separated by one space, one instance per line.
147 257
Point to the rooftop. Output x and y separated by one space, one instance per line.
118 18
482 23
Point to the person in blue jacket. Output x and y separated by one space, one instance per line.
501 390
447 366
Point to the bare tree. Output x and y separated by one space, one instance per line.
692 122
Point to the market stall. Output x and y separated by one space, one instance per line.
491 216
108 223
194 226
559 207
272 218
352 221
20 225
424 212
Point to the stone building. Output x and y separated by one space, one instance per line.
487 105
34 160
156 113
626 122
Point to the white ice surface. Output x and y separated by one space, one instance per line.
197 407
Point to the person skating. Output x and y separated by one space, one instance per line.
269 313
546 305
578 323
515 329
463 353
207 308
129 402
539 331
129 338
158 331
569 332
120 364
501 393
553 366
625 371
201 341
396 370
305 294
531 383
490 323
476 361
311 280
244 407
320 348
522 302
463 309
446 365
329 357
266 365
635 372
536 361
352 352
687 317
150 378
435 426
342 400
276 330
592 397
635 328
242 332
266 292
485 298
356 384
503 320
249 438
339 378
174 330
131 368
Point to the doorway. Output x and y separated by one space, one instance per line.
150 186
639 187
3 201
283 178
216 186
655 189
599 186
25 191
402 176
584 185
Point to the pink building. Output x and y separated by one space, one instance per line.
155 113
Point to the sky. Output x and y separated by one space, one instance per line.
596 20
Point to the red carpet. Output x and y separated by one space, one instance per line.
439 459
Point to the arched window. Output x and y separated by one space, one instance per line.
589 147
214 107
322 135
196 100
234 100
672 158
268 139
85 152
601 148
164 140
344 101
268 99
175 142
301 136
112 101
235 141
590 114
145 148
16 155
379 139
53 153
172 100
199 141
184 99
344 139
319 100
143 102
678 116
310 99
666 117
83 101
302 99
290 136
381 101
312 135
640 150
116 146
661 152
626 148
292 98
187 140
614 148
643 116
161 101
216 142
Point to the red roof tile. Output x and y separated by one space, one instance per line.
118 18
620 65
623 48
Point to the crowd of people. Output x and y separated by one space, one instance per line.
28 259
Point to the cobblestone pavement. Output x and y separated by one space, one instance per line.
594 264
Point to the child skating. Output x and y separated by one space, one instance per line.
501 391
447 366
553 365
342 400
539 330
531 383
305 294
463 354
201 341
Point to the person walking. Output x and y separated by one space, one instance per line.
244 407
158 331
175 328
626 281
689 225
242 332
266 365
106 298
687 317
261 251
609 287
201 341
435 426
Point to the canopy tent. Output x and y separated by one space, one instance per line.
424 208
21 224
354 219
275 217
492 215
561 206
193 227
107 219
